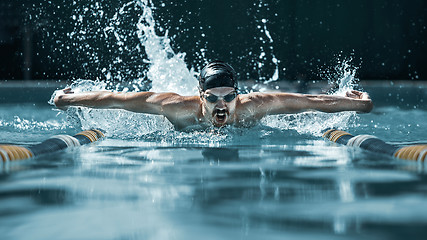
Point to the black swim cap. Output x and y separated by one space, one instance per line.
217 74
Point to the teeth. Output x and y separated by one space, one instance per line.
221 113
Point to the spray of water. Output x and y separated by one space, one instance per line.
266 51
342 76
20 124
314 123
168 72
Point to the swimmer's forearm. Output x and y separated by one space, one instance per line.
280 103
330 104
142 102
102 99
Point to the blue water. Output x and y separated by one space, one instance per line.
278 180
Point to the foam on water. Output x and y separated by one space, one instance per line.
315 123
168 72
20 124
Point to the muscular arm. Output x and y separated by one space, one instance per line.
143 102
280 103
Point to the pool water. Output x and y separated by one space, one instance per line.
277 180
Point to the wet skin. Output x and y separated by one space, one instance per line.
219 112
244 110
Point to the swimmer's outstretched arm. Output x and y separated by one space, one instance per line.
280 103
142 102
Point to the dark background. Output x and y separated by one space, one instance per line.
383 39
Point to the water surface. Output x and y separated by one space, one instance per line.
268 181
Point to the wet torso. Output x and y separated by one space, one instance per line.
188 114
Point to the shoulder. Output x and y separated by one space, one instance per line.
251 98
252 105
173 99
162 98
256 98
176 103
182 111
261 104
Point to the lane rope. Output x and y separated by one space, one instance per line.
374 144
10 153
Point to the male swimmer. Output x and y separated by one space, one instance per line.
218 103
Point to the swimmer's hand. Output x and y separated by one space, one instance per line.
59 100
362 96
357 95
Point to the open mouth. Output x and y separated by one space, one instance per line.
220 115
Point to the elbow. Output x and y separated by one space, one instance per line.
367 107
370 107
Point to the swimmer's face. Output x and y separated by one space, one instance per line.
219 105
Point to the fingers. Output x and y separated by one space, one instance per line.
361 95
67 90
365 96
351 94
357 94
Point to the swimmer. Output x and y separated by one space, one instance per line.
218 103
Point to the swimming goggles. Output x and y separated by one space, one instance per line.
214 98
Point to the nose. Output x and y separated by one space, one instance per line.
221 103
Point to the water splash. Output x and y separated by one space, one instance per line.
114 122
118 123
23 124
225 136
275 61
167 72
314 123
266 52
342 77
346 81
